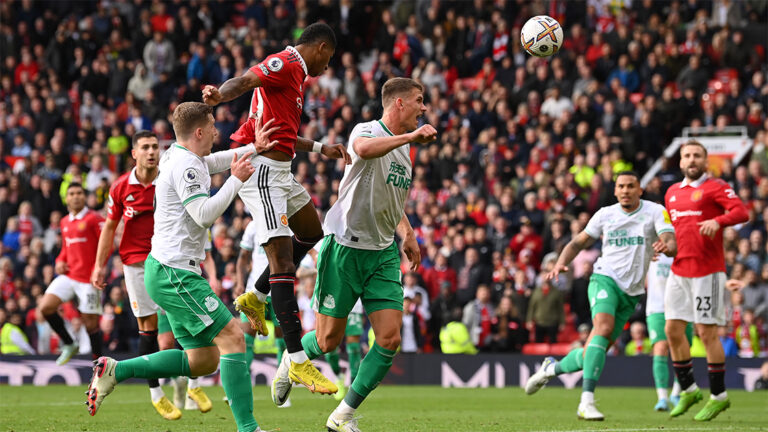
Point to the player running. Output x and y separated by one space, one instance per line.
279 204
80 236
201 323
658 273
633 230
359 258
700 206
131 199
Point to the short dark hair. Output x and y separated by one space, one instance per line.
317 32
188 116
142 134
395 87
629 173
75 185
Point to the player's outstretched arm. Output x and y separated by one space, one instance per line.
220 161
205 210
331 151
231 88
579 243
371 148
107 236
666 244
410 245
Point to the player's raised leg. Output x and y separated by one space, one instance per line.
48 308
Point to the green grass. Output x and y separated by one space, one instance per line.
60 408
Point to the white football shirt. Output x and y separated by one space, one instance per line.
372 194
627 240
178 241
658 272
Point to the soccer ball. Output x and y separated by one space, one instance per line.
541 36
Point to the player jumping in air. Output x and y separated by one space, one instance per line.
700 206
280 205
633 230
131 199
80 237
359 258
201 323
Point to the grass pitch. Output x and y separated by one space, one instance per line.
390 408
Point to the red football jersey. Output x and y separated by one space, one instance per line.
691 203
80 239
281 96
134 203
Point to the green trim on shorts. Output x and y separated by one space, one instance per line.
656 322
346 274
196 315
605 296
354 325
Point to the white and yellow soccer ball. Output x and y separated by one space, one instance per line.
541 36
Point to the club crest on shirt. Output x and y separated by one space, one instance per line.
190 175
211 304
275 64
696 195
81 226
284 220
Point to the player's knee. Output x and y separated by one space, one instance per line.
284 264
201 366
165 341
390 342
604 329
328 343
46 309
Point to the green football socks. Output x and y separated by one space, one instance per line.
594 360
661 371
248 351
333 360
237 385
353 351
309 343
162 364
372 370
572 362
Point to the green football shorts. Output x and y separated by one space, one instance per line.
606 297
345 274
354 325
195 313
163 326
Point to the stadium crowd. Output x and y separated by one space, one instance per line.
526 151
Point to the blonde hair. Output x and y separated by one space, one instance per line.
189 116
396 87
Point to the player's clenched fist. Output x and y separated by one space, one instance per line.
242 168
211 95
424 134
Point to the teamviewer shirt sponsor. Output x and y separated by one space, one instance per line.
627 240
80 238
178 241
694 202
133 202
377 187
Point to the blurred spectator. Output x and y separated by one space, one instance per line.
639 343
762 382
412 338
478 316
509 330
545 313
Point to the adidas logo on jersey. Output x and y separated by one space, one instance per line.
673 199
130 198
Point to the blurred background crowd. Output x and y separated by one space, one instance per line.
526 149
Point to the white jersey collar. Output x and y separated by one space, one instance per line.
695 183
79 215
301 59
133 180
